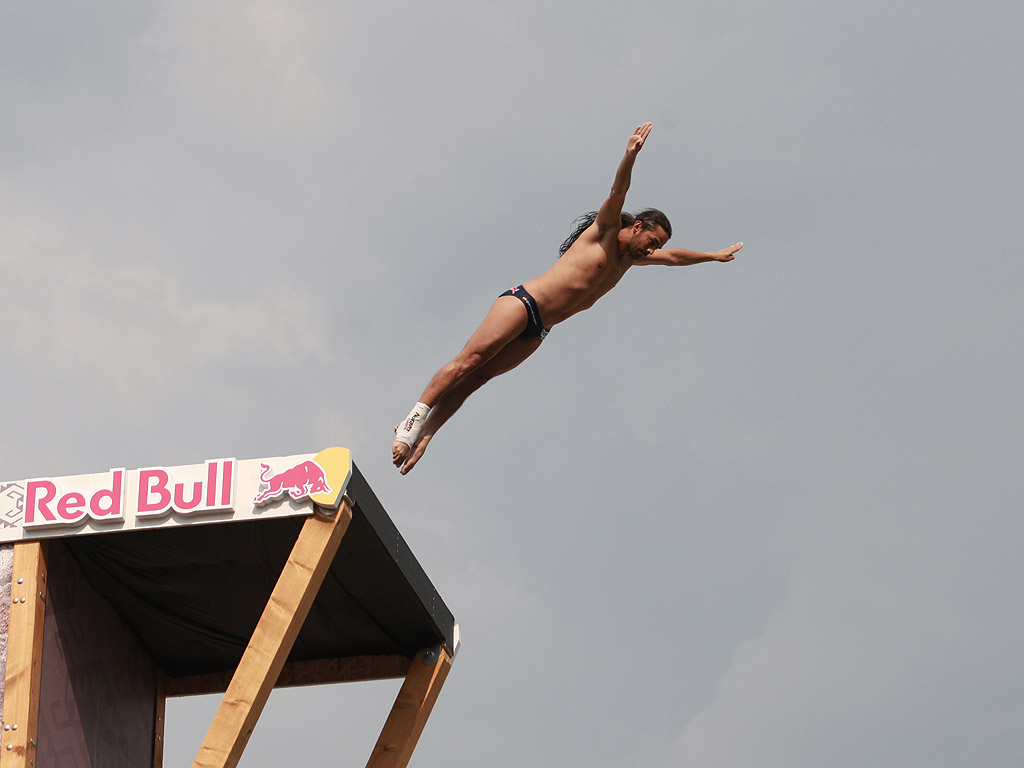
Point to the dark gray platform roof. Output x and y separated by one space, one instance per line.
195 593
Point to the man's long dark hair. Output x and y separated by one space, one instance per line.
649 217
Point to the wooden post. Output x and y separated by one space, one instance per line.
158 720
402 730
24 656
273 638
353 669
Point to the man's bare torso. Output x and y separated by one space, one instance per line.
587 271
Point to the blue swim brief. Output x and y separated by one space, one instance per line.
535 330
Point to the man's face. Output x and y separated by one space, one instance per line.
644 242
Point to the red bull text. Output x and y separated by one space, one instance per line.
216 491
52 502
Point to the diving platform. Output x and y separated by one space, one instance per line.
228 577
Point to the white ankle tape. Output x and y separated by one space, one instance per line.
409 429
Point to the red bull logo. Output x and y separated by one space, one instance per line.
302 480
216 491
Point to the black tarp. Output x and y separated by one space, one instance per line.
195 593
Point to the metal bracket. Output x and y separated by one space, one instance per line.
330 512
429 656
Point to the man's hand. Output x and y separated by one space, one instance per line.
636 141
727 254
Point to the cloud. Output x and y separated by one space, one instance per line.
136 329
893 650
253 60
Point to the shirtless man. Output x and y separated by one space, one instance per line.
595 257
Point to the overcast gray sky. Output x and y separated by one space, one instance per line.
765 513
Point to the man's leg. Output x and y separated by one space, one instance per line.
503 323
515 352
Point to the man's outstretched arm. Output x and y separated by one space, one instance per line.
609 216
680 257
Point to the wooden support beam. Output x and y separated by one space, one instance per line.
158 720
402 730
353 669
24 656
273 638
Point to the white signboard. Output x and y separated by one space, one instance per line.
219 490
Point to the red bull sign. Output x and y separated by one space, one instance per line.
219 490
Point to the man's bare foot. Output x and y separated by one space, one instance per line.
399 452
414 457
